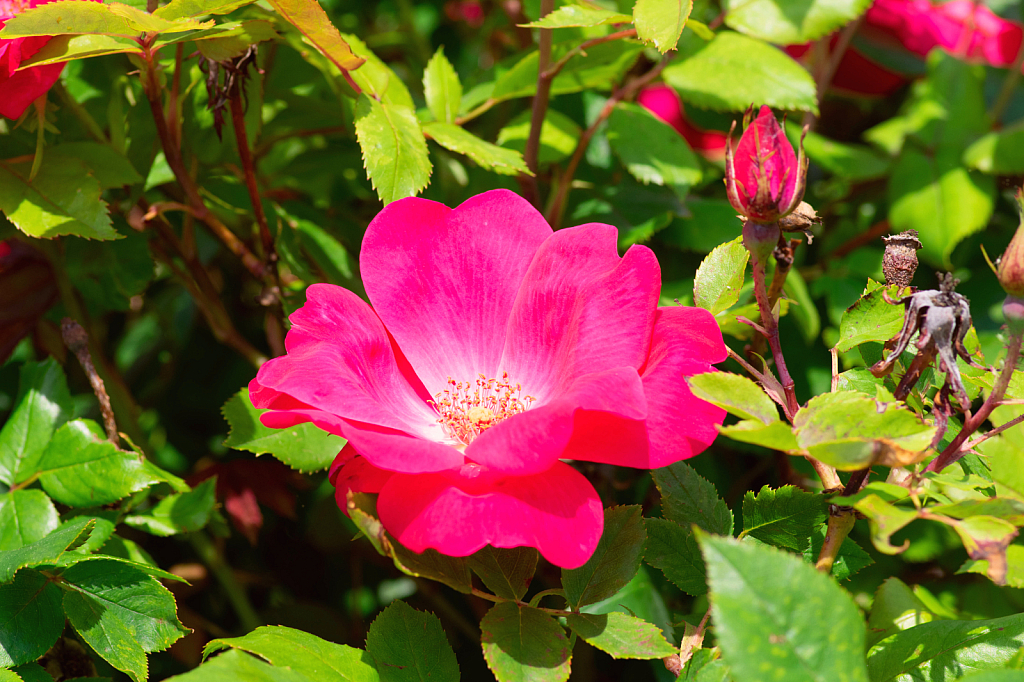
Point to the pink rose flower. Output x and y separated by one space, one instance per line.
18 89
764 179
494 350
856 74
664 102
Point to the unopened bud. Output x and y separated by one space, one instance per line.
1011 265
900 260
760 239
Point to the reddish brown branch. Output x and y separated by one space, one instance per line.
77 342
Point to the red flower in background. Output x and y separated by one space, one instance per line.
764 179
495 349
18 89
664 102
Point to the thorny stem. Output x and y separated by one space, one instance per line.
771 329
994 432
783 264
77 342
840 522
954 451
249 169
210 555
540 104
554 212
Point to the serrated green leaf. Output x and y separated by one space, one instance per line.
851 558
786 22
312 22
776 617
871 318
614 562
31 618
885 520
719 279
70 47
232 666
486 155
442 88
84 17
302 652
506 572
733 71
672 549
51 548
661 21
736 394
394 151
63 199
578 15
523 644
410 646
688 499
121 612
26 516
80 468
651 149
775 436
946 649
785 517
33 672
303 447
103 161
43 403
895 608
180 9
180 513
559 136
621 635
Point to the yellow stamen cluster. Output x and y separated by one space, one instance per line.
468 408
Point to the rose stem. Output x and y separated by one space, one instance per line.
77 342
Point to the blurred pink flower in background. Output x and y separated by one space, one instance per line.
663 102
494 350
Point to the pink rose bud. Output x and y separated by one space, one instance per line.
764 178
1011 264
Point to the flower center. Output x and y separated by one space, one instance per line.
468 408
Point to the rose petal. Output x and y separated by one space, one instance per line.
459 512
443 280
357 475
24 87
765 138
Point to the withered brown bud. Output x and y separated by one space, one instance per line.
801 219
1011 264
900 260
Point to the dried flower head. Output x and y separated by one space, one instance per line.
900 260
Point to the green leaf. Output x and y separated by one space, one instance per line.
733 71
63 198
486 155
26 516
231 44
179 513
778 618
736 394
895 608
1000 507
442 88
674 551
614 562
69 47
303 446
871 318
884 520
109 274
661 21
578 15
180 9
48 550
376 79
688 499
1014 563
506 572
121 612
43 403
987 538
621 635
946 649
640 598
651 149
559 136
775 436
112 19
786 517
302 652
410 645
31 618
312 22
787 22
523 644
720 277
850 431
394 152
233 666
852 162
998 153
33 672
80 468
106 165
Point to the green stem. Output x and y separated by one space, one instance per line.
225 575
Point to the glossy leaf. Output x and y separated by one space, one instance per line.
394 151
599 69
43 403
376 78
895 608
523 644
48 550
885 519
579 15
871 318
31 618
733 71
303 446
506 572
69 47
312 21
688 499
442 88
786 22
179 9
614 562
766 631
775 436
109 167
786 517
179 513
673 549
501 160
112 19
559 136
232 666
26 516
651 149
998 153
63 199
661 22
735 393
407 644
621 635
720 277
